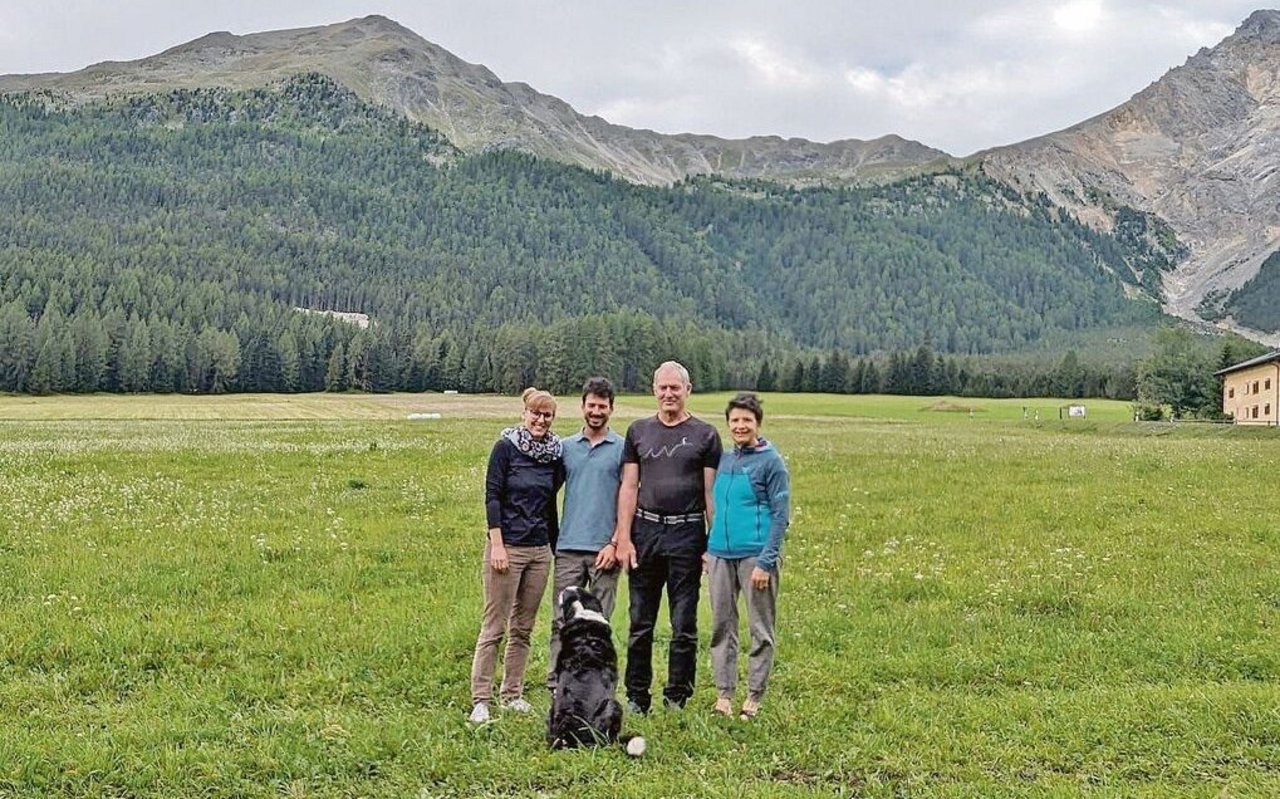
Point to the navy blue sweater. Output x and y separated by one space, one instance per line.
520 496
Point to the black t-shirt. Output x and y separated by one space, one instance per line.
671 462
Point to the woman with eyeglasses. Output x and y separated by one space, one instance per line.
526 469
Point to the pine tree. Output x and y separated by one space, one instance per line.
290 362
766 380
46 373
336 372
89 342
49 373
134 367
17 347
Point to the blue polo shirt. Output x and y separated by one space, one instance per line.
592 477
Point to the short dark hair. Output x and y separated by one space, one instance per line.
600 387
746 401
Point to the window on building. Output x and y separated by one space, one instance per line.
1255 387
1266 410
1268 384
1255 411
1231 393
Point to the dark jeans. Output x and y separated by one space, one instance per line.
670 556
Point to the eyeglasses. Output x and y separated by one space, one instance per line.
546 416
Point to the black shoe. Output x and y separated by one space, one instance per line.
635 707
673 704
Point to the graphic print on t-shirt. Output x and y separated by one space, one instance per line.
667 451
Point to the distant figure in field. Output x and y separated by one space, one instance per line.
526 469
752 510
669 463
585 553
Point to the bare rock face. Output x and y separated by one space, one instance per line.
1200 148
389 65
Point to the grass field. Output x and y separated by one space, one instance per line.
279 596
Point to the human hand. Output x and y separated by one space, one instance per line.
760 578
498 558
626 555
706 563
607 557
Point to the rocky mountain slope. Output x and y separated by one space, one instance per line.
1200 148
390 65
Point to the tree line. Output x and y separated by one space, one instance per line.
163 243
303 352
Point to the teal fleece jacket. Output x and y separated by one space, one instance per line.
752 505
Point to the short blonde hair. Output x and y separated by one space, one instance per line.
535 399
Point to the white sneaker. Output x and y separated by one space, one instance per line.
479 713
519 705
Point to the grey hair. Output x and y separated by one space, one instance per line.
676 366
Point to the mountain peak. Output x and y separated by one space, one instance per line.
378 19
373 24
1263 24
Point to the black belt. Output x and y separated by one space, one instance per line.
683 518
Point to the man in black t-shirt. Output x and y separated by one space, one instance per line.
664 503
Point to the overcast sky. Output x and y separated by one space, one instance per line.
961 75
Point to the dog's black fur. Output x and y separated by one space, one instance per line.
584 708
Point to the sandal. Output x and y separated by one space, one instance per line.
749 710
724 707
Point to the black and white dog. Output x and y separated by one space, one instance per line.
584 707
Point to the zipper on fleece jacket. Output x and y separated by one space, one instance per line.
756 538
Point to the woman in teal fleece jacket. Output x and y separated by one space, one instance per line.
752 510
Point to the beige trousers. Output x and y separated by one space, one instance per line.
510 608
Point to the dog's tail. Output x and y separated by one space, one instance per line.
633 745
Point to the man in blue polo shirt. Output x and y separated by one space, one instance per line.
585 555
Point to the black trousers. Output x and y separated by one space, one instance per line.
670 557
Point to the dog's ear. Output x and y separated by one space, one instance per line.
568 598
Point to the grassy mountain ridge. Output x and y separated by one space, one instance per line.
390 66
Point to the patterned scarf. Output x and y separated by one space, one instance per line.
544 450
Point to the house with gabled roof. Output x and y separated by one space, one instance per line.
1251 390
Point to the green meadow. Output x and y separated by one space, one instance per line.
268 596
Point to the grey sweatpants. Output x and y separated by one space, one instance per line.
728 578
